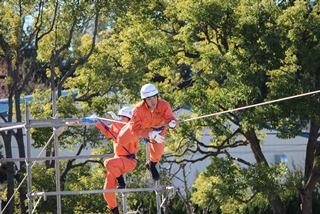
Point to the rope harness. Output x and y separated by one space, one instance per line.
130 155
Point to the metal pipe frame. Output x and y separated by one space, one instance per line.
56 158
64 122
28 161
159 188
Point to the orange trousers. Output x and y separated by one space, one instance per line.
115 167
156 150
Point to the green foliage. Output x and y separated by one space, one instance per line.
298 71
211 56
221 186
228 186
43 179
177 205
87 177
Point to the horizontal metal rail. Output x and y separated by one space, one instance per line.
12 127
45 123
55 158
50 123
160 188
11 124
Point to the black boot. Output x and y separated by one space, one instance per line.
115 210
152 167
121 183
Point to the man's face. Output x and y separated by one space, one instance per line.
124 119
152 102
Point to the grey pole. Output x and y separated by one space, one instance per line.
158 199
57 167
56 152
124 198
28 160
149 177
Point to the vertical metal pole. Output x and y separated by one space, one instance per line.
149 177
124 198
158 199
57 167
28 159
56 153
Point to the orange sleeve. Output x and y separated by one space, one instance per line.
125 136
136 122
104 132
168 114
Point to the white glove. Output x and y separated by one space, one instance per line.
59 129
156 136
113 115
172 124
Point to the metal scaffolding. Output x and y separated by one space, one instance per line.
30 123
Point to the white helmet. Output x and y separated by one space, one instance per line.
126 112
148 90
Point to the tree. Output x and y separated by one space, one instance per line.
232 48
229 187
226 74
299 73
26 30
215 56
254 67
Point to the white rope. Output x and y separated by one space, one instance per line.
251 106
35 206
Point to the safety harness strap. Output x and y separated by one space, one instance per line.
133 156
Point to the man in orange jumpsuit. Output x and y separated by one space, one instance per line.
124 160
149 120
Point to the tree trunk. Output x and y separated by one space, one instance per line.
311 147
276 203
273 197
21 150
306 202
312 169
49 163
10 188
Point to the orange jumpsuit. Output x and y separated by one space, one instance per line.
119 164
143 121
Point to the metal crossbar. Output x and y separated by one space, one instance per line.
159 188
56 158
